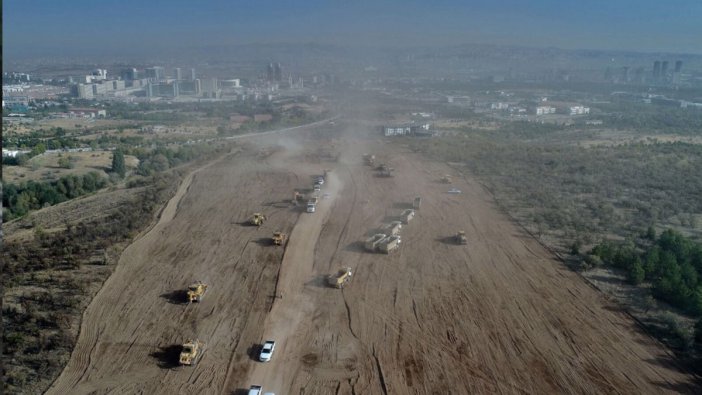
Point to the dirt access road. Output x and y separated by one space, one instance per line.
499 315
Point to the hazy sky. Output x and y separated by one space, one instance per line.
121 25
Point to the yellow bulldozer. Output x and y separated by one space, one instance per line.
279 238
460 237
196 291
340 278
257 219
191 352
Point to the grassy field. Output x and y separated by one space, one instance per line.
46 167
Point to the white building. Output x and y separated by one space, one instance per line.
579 110
543 110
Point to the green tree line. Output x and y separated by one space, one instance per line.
19 199
672 263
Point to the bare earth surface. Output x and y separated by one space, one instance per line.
499 315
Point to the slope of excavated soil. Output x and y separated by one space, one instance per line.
499 315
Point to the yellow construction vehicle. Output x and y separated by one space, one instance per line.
298 198
460 237
257 219
446 179
340 278
191 352
279 238
196 291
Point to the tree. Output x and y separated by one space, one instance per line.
118 163
636 272
651 233
65 162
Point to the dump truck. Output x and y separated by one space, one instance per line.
257 219
392 228
191 352
389 244
371 243
385 171
340 278
369 159
279 238
406 216
196 291
446 179
417 203
460 237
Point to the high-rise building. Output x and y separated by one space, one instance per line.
155 73
656 70
177 73
270 72
664 69
278 72
678 66
162 89
129 74
192 75
624 76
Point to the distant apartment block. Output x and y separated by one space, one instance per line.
189 87
407 130
233 83
155 73
544 110
579 110
162 89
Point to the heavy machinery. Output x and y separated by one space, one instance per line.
369 159
191 352
298 197
389 244
340 278
384 170
406 216
257 219
371 243
417 203
279 238
460 237
392 228
446 179
196 291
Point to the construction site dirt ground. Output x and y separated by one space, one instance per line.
498 315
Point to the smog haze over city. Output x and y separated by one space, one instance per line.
366 197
